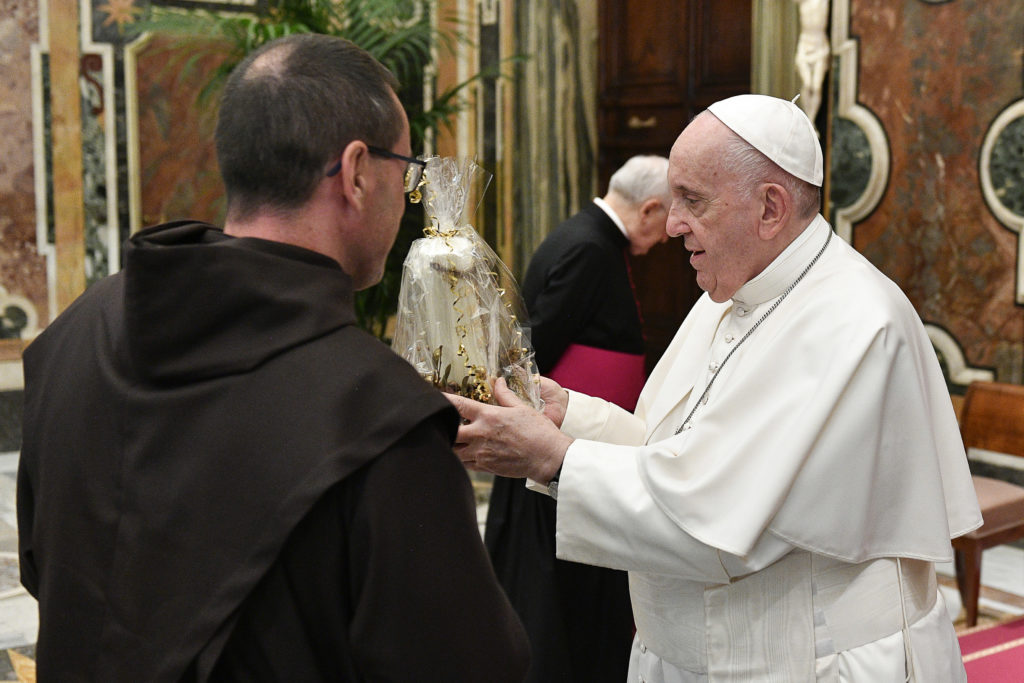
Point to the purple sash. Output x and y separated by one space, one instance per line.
612 375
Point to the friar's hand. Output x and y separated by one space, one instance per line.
510 439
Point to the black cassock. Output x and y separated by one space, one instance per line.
586 332
223 479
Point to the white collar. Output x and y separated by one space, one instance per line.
611 214
787 266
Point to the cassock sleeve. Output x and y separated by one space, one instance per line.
588 417
566 302
428 605
607 517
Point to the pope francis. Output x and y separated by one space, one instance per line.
793 469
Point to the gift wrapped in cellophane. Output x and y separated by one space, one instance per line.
460 313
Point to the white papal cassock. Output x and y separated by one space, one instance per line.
762 540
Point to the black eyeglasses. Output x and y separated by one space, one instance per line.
413 171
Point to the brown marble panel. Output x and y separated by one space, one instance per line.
178 164
22 270
66 135
936 75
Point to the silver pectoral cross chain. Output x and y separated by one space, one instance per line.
704 395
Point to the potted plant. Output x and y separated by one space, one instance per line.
398 33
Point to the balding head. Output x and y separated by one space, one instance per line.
291 107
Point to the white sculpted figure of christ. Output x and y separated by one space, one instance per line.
812 53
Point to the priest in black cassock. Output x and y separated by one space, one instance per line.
586 331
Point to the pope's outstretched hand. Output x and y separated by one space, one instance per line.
512 439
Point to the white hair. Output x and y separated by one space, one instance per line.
641 178
754 167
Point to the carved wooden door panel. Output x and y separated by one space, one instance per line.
661 62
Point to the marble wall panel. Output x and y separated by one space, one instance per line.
178 170
936 76
22 269
555 111
100 240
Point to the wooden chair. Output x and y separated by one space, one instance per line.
992 419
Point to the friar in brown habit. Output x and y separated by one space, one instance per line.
222 478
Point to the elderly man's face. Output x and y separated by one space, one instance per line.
649 229
716 219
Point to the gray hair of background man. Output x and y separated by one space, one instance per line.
753 167
641 178
289 109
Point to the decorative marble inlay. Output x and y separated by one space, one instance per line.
850 163
488 12
94 169
13 321
1003 164
111 19
861 135
119 13
954 365
1006 166
18 317
1002 177
943 80
171 132
46 151
22 267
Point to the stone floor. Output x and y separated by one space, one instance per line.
1002 586
19 620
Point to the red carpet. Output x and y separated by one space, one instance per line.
994 654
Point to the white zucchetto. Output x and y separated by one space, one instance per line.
777 128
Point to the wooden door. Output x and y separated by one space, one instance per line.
660 63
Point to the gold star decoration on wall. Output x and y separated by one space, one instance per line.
120 12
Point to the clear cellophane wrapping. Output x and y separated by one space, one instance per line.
460 313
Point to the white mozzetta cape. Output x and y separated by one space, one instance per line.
830 428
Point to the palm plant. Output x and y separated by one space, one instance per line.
398 33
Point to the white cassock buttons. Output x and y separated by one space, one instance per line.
729 339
